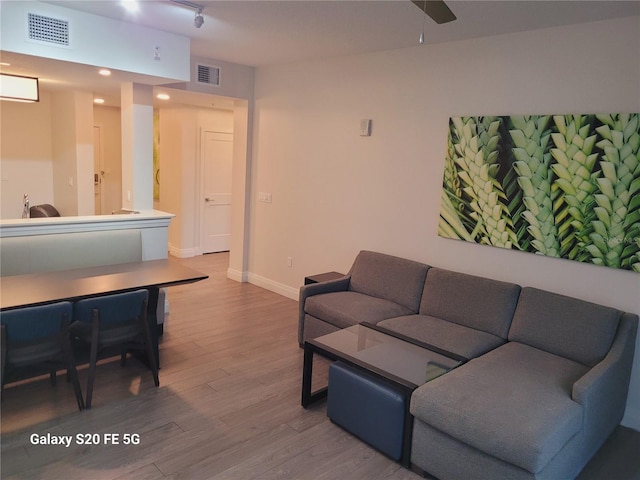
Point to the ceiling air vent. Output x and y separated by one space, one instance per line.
48 29
208 75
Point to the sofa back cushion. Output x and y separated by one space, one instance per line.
565 326
391 278
475 302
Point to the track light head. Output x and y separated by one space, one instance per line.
199 20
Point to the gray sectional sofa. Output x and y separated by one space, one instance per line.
546 381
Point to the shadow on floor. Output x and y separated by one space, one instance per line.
618 459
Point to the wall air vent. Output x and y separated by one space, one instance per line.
208 75
48 29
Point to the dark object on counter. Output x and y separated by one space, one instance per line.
44 210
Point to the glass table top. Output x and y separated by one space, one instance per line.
385 353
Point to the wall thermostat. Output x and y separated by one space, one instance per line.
365 127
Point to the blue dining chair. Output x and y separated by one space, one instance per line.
39 336
111 321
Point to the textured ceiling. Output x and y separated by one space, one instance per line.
272 32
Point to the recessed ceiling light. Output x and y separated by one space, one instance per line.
130 6
104 72
163 96
99 101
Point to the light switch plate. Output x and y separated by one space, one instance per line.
264 197
365 127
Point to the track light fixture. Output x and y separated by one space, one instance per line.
199 18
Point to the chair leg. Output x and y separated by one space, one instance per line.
72 372
150 355
72 375
3 354
75 380
93 357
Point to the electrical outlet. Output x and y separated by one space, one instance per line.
289 262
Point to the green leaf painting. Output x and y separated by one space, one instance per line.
565 186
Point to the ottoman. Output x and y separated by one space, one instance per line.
367 407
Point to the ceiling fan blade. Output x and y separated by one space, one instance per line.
436 9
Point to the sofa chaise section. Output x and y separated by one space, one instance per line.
537 407
460 313
378 286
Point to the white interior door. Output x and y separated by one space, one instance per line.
216 161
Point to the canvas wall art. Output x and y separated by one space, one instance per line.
565 186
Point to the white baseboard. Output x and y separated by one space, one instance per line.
182 252
237 275
279 288
243 277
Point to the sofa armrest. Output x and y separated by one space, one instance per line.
602 391
338 285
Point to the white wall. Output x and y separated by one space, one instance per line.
136 123
84 152
172 124
241 178
43 145
130 47
335 193
72 152
108 119
25 155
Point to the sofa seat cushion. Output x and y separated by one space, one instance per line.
344 309
464 341
513 403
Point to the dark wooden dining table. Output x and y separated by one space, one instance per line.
71 285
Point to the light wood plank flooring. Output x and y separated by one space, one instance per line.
228 406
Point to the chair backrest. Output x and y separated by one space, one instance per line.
392 278
35 323
113 309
